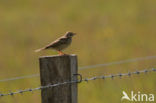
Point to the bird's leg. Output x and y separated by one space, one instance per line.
61 53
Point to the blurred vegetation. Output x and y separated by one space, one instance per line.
107 30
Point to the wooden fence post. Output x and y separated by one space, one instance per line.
58 69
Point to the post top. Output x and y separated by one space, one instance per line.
53 56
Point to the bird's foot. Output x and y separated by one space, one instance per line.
61 53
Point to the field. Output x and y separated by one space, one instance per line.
107 31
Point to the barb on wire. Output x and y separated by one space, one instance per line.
83 80
88 67
120 74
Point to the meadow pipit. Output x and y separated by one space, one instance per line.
60 43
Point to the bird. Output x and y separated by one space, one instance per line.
60 43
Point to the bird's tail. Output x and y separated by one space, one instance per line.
38 50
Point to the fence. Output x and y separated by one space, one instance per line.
57 79
88 67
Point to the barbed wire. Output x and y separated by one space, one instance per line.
78 81
87 67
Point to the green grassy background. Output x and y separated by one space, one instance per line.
107 31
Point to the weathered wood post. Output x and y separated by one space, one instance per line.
58 69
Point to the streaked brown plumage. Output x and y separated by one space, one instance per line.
60 43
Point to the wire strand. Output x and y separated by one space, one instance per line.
87 67
84 80
22 77
118 62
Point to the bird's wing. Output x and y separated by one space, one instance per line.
56 43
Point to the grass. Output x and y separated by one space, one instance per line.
107 30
